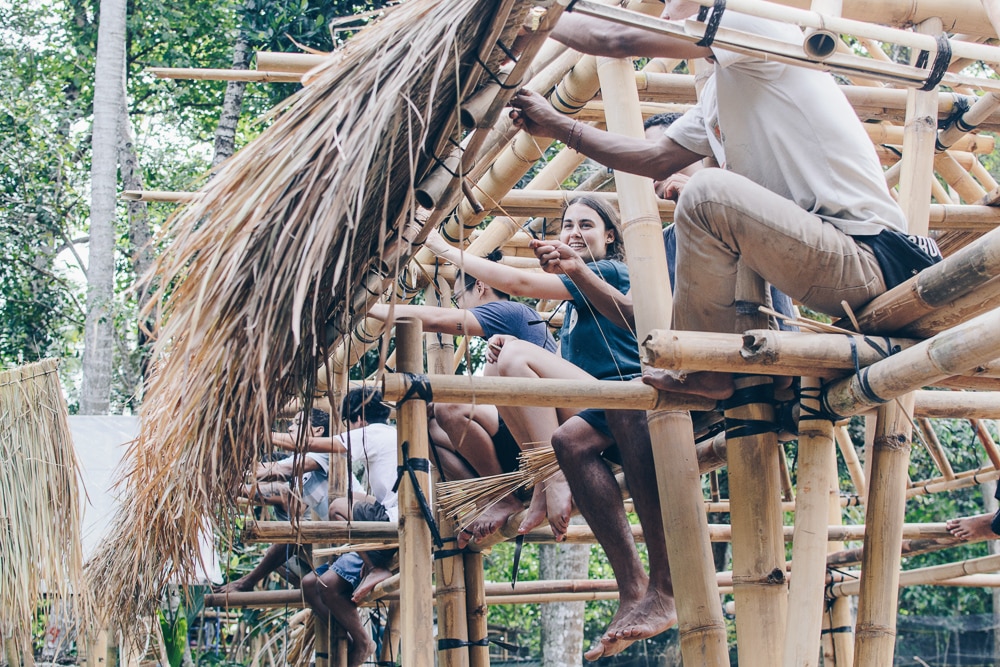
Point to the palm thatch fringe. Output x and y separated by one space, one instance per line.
40 519
262 258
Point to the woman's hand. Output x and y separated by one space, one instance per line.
495 345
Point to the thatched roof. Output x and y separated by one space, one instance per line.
267 253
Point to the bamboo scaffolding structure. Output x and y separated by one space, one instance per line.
876 624
837 628
967 271
416 599
961 347
700 623
817 474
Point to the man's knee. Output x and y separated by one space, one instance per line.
576 438
447 413
513 357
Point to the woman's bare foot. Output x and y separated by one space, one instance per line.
972 527
702 383
535 514
374 577
654 614
490 521
558 505
361 649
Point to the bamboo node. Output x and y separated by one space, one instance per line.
892 441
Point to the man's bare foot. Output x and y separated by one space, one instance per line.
361 649
241 585
558 505
972 527
702 383
368 584
489 521
654 614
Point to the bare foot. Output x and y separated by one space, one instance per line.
241 585
536 512
702 383
654 614
368 584
558 505
489 521
972 527
361 649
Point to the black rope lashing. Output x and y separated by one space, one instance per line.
419 388
941 61
496 79
411 466
758 393
959 108
713 22
744 428
809 412
450 643
841 629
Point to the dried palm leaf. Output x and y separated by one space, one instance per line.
40 510
262 258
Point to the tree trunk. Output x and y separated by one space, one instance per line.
225 134
109 76
562 622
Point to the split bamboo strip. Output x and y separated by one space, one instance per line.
207 74
766 352
854 469
700 623
416 598
929 575
964 272
948 353
837 632
934 448
876 627
817 470
40 504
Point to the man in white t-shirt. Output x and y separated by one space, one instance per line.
801 200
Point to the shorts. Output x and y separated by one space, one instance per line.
599 422
348 567
506 448
373 511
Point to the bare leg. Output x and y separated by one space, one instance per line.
273 558
578 447
470 429
977 527
657 611
533 427
335 594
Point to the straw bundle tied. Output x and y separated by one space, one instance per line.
466 500
40 545
263 257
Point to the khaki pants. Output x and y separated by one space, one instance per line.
723 218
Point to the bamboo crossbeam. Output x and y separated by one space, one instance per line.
930 575
298 63
965 272
949 353
208 74
158 195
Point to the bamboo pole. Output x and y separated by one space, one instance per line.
700 622
957 311
964 272
817 460
876 627
837 632
766 352
935 449
298 63
416 601
989 446
948 353
929 575
476 608
207 74
850 455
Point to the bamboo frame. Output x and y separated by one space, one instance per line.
416 599
700 623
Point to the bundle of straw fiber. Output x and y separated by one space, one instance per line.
40 520
265 255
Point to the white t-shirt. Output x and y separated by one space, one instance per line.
374 453
791 130
316 486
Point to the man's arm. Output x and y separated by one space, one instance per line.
598 37
557 257
655 159
286 468
455 321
